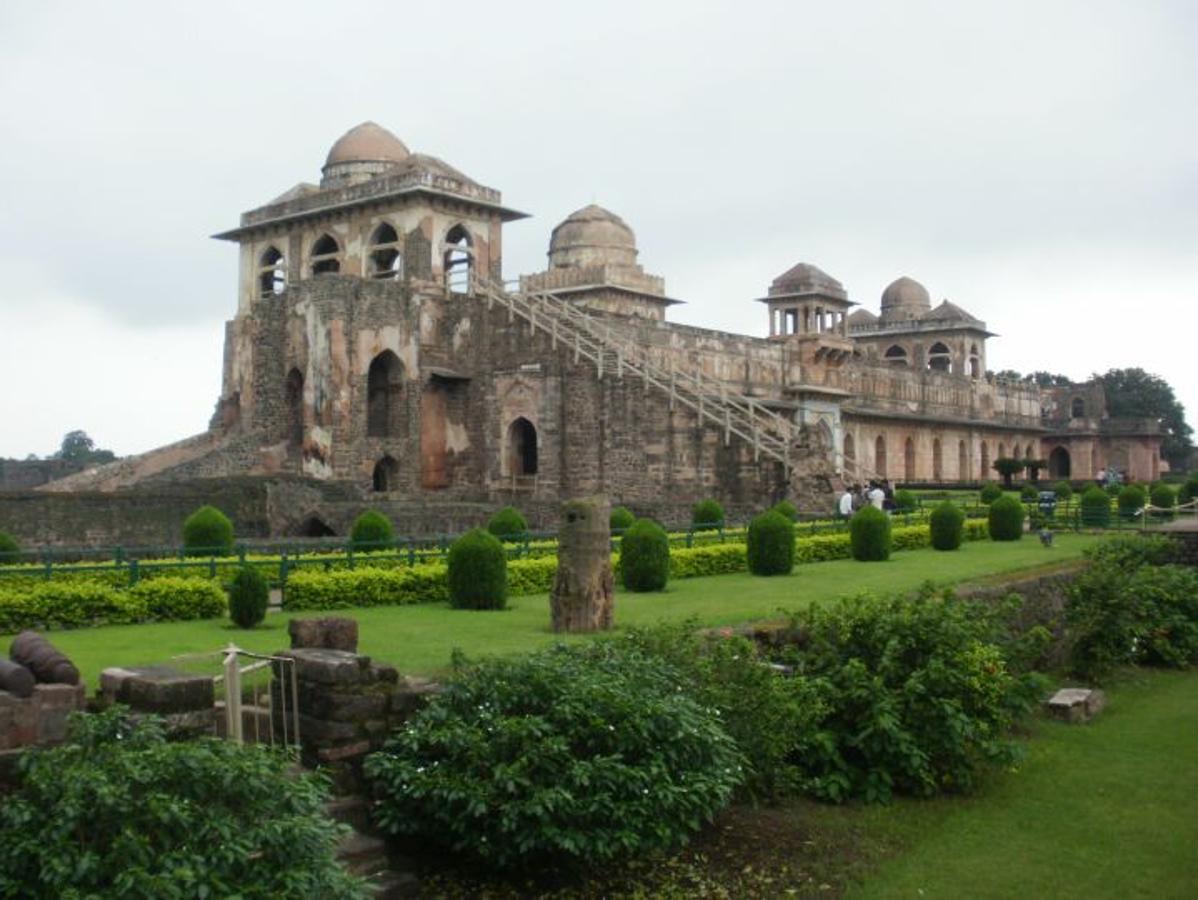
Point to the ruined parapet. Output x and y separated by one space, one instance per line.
583 596
814 484
184 701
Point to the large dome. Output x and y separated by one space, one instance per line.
592 236
904 298
360 154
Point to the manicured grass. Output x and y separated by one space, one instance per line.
420 639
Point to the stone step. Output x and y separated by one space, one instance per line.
363 855
393 885
353 811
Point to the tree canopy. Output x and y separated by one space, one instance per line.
78 447
1134 393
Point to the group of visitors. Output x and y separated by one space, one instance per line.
878 494
1106 477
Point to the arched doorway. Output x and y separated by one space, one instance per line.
1059 464
386 474
880 456
937 461
522 448
384 394
962 461
909 460
314 527
295 408
850 454
985 467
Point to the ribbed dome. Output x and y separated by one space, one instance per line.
367 142
904 298
805 278
592 236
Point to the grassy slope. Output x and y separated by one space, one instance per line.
419 639
1105 810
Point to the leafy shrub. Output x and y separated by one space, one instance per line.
1006 519
990 492
10 550
372 529
948 526
57 604
170 599
916 697
117 811
621 518
1029 494
1132 498
582 754
707 513
1166 601
645 556
477 571
249 595
1189 490
771 545
1162 496
423 583
1112 491
786 509
208 532
1096 507
767 714
869 532
508 524
1064 491
905 501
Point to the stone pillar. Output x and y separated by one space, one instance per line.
583 596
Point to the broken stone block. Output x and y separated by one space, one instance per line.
338 667
157 689
1075 705
54 704
329 633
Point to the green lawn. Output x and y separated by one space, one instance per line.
419 639
1104 810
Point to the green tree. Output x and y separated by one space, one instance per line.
1134 393
78 447
1007 466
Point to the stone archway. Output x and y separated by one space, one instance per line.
522 448
1059 463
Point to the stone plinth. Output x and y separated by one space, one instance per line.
185 701
1075 705
331 633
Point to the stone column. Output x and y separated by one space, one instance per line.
583 596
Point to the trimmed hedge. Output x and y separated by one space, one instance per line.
770 549
905 501
249 595
1163 496
621 518
1096 507
869 535
1063 490
10 550
645 557
178 599
708 513
1132 498
947 525
1006 519
1028 493
477 571
786 509
208 532
372 529
507 524
990 492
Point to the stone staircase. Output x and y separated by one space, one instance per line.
613 354
367 855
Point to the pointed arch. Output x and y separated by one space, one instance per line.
896 356
962 461
880 456
326 255
937 461
384 395
522 447
909 459
314 526
386 475
1059 463
985 467
940 358
384 255
458 260
272 272
850 447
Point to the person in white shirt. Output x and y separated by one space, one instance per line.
877 496
846 503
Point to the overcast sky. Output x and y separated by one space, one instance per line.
1034 162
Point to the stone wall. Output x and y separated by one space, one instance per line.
26 474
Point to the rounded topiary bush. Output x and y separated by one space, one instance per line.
208 532
1132 498
508 524
1188 490
1006 519
477 571
869 534
905 501
947 523
621 518
10 550
645 556
771 544
1028 493
1162 496
1112 490
1096 507
1064 491
372 530
990 492
582 755
708 514
249 595
786 509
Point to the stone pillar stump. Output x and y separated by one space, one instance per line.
583 596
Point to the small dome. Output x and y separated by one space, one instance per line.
592 236
805 278
367 142
861 317
948 311
905 298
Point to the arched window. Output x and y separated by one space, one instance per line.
1002 451
909 460
384 395
522 447
272 273
937 461
1078 409
975 362
326 255
386 474
314 527
1059 464
386 260
295 408
1028 452
896 355
880 456
962 461
458 261
850 448
985 461
939 358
